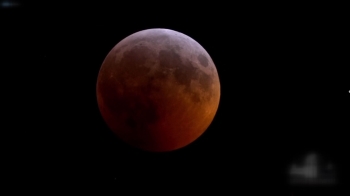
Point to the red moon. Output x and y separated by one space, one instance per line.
158 90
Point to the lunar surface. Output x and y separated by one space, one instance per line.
158 90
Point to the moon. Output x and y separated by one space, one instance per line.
158 90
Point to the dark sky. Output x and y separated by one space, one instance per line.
284 92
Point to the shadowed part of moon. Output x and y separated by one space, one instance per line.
134 113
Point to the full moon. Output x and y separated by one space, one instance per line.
158 90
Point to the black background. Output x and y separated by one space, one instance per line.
284 92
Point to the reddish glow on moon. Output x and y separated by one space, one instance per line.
158 90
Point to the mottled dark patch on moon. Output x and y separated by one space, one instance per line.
169 59
203 60
134 61
185 72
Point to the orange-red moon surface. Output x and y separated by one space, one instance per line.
158 90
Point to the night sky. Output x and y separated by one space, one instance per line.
284 93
